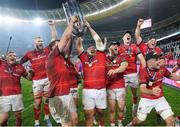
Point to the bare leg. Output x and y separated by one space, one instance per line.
89 114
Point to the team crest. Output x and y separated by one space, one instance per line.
161 71
18 70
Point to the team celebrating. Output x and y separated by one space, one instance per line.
107 72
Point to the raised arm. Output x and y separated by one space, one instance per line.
138 31
24 59
175 77
52 25
79 45
66 37
142 60
99 43
175 68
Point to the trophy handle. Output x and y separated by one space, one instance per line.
80 14
71 7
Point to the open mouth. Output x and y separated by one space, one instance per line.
115 49
40 45
92 52
153 45
12 60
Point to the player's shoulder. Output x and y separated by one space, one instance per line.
143 70
83 54
3 61
121 45
133 44
162 70
159 49
19 67
30 52
121 48
142 44
100 52
47 49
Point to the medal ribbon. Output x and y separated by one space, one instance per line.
152 78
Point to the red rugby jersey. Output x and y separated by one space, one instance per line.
117 80
158 75
131 53
94 71
145 49
37 60
10 76
58 73
73 74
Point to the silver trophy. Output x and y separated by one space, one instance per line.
72 8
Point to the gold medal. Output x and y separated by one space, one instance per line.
114 61
150 83
90 64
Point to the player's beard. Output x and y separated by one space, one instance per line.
39 47
12 61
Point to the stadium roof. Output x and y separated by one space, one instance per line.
105 15
114 14
34 4
157 10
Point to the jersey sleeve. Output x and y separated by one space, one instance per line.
136 50
25 58
56 52
159 52
143 76
123 58
82 56
101 53
24 72
47 49
142 46
167 73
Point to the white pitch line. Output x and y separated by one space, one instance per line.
27 108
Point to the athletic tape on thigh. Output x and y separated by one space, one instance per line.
141 116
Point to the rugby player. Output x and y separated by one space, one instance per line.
152 93
116 65
74 89
10 76
130 75
40 85
150 46
94 91
58 71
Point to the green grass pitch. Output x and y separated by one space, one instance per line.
172 96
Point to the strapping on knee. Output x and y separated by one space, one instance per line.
166 113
